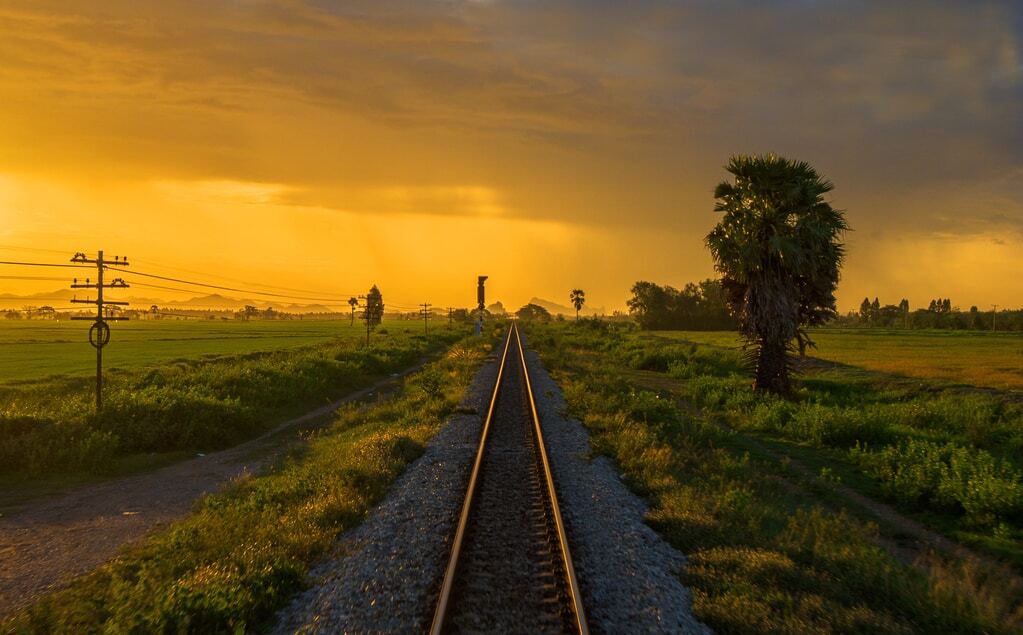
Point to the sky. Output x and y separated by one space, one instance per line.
550 145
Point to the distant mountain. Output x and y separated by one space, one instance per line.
215 302
212 301
60 297
560 309
60 294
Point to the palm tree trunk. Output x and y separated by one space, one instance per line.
772 368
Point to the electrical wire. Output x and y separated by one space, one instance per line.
245 282
224 288
32 278
43 264
336 300
258 284
32 299
36 249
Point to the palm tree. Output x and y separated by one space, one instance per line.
778 250
353 302
578 298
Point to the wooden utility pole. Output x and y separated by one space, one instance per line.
994 312
99 333
451 318
426 316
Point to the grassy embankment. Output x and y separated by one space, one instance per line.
48 426
245 551
771 550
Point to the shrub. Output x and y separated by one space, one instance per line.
966 480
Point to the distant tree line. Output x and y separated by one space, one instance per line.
696 307
939 314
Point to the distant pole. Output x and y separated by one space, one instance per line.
450 316
99 333
426 316
994 312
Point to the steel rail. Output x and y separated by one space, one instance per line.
443 602
463 521
573 583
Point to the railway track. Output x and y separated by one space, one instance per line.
510 569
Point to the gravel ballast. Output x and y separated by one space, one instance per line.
627 573
384 575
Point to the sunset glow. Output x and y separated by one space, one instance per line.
331 146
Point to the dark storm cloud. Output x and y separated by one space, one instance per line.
593 112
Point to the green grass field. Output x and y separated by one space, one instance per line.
992 360
36 349
174 386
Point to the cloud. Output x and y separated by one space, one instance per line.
584 114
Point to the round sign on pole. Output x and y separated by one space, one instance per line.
99 334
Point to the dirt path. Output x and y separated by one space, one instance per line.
47 542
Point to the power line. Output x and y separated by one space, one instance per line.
335 300
166 288
31 278
246 282
62 252
179 280
42 264
235 289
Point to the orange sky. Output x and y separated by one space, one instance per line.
329 146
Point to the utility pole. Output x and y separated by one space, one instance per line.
426 316
99 332
451 318
994 312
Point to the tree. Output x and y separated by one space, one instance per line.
651 305
779 251
354 303
578 298
374 311
533 312
698 306
865 311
